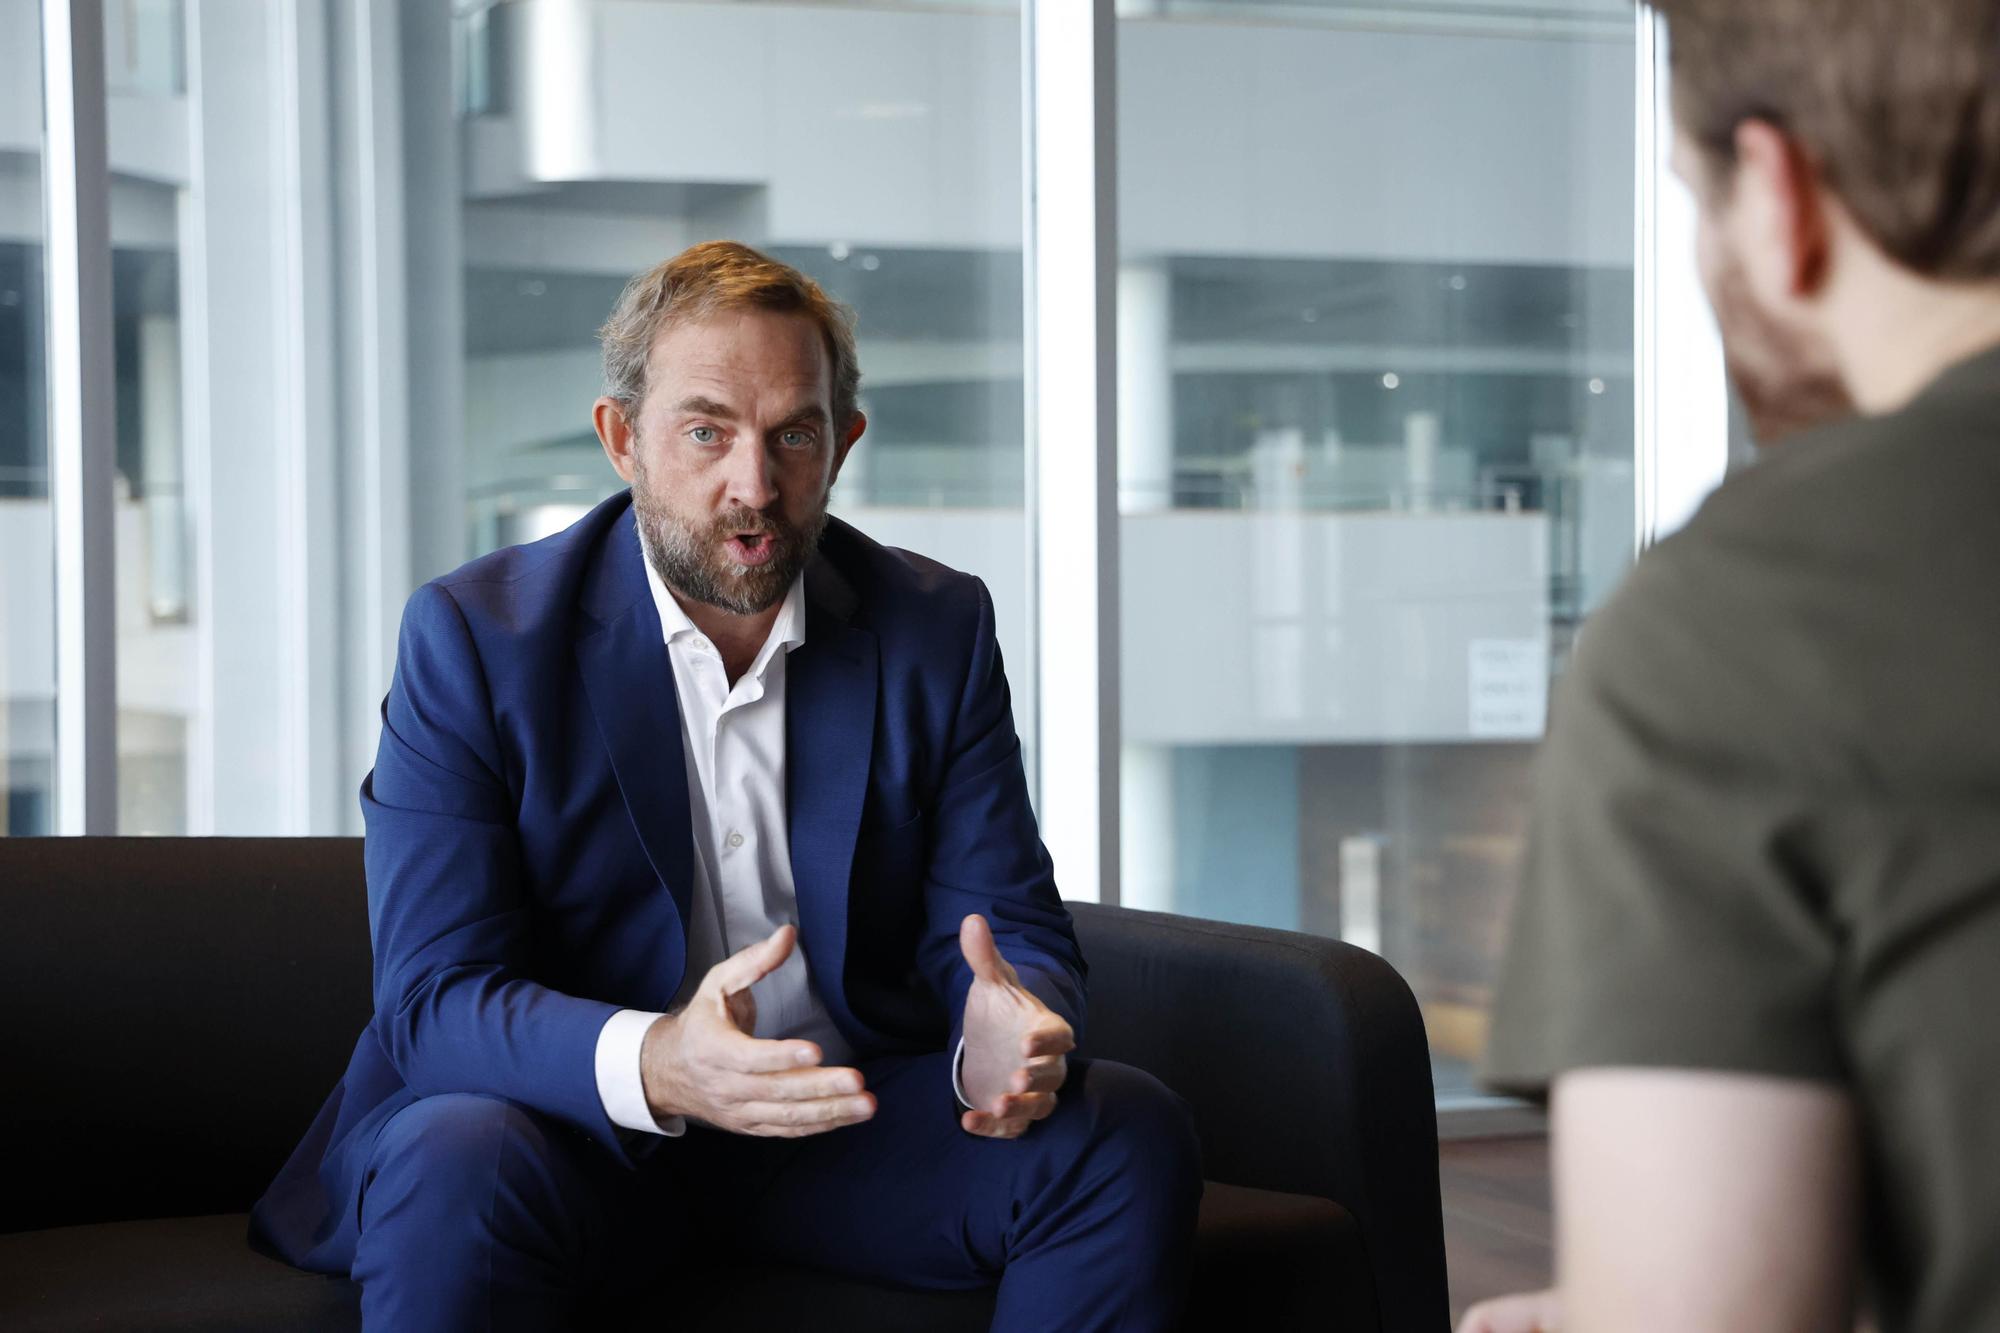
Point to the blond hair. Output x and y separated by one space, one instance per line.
702 281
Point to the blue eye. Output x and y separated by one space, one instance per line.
796 439
703 435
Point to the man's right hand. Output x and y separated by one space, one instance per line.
703 1063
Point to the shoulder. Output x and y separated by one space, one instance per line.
899 590
1873 486
526 589
1737 631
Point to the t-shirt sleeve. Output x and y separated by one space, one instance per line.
1666 918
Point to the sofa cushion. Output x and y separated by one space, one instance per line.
182 1273
1281 1260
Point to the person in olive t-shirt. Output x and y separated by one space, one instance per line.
1757 954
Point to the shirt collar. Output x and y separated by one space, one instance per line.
788 631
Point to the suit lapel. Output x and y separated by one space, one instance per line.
830 695
629 680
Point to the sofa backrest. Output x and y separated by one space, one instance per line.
175 1012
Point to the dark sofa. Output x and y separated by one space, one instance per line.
176 1009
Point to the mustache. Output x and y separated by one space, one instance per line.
744 520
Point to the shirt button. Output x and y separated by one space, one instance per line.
735 839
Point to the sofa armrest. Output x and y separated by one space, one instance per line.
1306 1065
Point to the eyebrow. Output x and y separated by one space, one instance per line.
707 407
811 412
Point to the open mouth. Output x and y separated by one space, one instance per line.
751 549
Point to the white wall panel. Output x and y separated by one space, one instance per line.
1307 629
1374 144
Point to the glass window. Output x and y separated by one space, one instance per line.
1376 456
27 536
147 141
881 155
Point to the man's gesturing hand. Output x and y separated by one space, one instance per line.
1015 1046
702 1062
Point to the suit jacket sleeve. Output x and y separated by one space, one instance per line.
986 852
456 1007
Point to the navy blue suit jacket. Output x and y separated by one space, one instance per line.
529 849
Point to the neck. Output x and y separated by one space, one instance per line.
1899 332
737 637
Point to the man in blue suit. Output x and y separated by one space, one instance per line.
711 921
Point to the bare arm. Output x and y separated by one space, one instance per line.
1716 1201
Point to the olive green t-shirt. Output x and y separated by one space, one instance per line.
1766 834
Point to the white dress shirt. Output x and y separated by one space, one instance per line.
733 739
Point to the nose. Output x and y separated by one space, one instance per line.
749 481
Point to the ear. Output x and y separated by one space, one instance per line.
616 433
1779 211
855 429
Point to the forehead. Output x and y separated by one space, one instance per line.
741 353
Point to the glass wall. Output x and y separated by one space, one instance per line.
1376 369
27 536
1375 456
147 140
882 157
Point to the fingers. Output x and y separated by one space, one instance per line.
745 968
1010 1117
991 1126
1048 1038
755 1055
975 941
799 1085
1045 1074
1023 1106
799 1119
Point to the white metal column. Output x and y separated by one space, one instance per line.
375 361
1073 265
82 439
262 433
1682 397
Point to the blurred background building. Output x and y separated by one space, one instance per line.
1376 385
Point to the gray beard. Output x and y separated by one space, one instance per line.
692 565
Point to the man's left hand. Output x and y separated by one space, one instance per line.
1016 1047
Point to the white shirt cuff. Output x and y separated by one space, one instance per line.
620 1084
958 1075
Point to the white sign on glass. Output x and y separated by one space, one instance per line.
1509 688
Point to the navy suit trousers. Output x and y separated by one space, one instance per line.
477 1213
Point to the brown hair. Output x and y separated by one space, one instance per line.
1896 101
702 281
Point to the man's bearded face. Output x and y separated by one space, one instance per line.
742 561
734 455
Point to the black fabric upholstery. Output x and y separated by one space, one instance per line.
142 975
184 1273
1281 1261
158 971
1306 1064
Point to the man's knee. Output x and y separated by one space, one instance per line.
458 1152
469 1201
1125 1119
